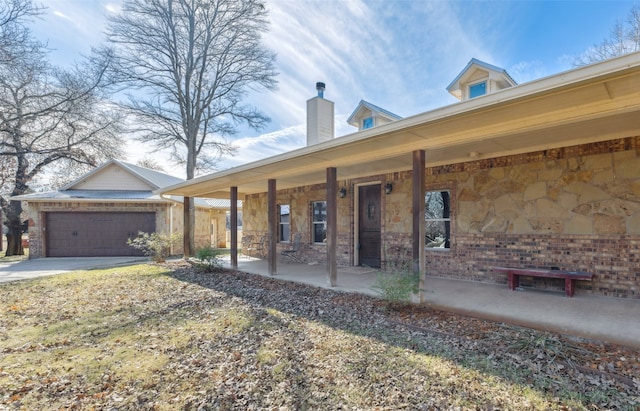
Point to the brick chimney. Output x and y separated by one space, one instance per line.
320 113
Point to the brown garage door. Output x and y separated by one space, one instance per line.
81 234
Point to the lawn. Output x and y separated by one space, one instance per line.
166 337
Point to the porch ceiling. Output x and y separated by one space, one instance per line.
591 104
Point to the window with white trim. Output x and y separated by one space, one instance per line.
319 222
284 223
478 89
437 213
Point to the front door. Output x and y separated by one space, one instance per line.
369 225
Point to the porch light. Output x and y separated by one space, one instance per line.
342 192
388 188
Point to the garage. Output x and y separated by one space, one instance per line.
95 234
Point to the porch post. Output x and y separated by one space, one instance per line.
332 225
272 215
418 219
234 226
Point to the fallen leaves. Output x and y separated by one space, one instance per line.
168 337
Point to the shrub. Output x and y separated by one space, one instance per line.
397 283
155 245
207 260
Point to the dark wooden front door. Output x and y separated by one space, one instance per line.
93 234
369 225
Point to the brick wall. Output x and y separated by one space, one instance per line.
615 260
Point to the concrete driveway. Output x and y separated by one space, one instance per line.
22 270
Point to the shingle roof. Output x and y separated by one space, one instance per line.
154 177
220 203
91 195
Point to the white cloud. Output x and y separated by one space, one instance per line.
62 15
252 149
112 8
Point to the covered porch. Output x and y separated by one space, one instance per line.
587 316
541 129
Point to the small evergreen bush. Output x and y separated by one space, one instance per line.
397 283
207 260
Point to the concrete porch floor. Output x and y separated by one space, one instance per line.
614 320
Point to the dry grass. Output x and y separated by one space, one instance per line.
165 338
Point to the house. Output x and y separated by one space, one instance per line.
544 174
96 214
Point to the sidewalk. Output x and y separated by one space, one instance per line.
614 320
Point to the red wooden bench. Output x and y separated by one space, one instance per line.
513 276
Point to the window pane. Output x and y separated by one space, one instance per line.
284 213
435 205
228 220
319 233
284 232
437 234
478 90
319 211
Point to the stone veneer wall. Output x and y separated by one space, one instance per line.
573 208
202 229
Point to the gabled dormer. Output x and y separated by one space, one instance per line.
479 78
368 115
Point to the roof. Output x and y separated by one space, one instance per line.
74 195
593 103
220 203
366 105
154 178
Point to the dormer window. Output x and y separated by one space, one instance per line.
367 123
478 89
478 79
367 116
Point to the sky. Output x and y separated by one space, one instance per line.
397 54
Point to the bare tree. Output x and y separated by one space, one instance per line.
47 117
151 163
190 63
624 38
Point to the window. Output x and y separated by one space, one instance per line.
438 219
284 219
477 90
228 218
367 123
319 219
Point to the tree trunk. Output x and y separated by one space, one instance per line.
14 226
187 232
189 203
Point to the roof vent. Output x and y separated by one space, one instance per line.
320 87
